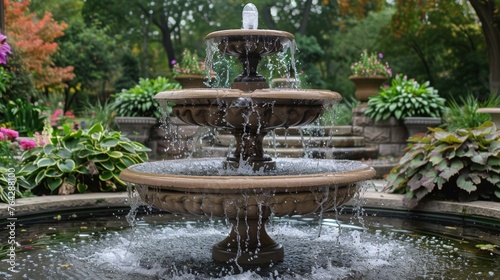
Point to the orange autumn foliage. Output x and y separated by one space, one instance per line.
33 39
357 8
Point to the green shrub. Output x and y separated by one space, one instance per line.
4 80
22 116
103 113
89 159
405 98
138 101
462 165
466 115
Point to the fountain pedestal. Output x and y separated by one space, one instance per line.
248 244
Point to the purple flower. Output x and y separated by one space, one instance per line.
9 133
380 55
4 49
173 62
27 144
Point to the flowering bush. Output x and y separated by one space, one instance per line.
8 134
59 117
189 64
370 65
11 147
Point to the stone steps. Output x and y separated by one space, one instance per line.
320 142
354 153
319 131
292 141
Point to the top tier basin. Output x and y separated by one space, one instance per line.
248 42
250 45
249 116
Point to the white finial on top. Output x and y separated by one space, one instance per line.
250 17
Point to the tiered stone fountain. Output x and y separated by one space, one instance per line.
248 186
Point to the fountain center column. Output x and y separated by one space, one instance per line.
248 243
249 149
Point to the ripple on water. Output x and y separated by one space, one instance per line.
213 167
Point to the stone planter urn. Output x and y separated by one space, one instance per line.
191 80
416 125
495 115
367 86
136 128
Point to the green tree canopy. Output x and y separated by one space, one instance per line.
92 53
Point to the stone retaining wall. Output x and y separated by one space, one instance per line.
389 136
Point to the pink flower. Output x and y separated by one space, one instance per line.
55 116
57 113
9 133
41 140
1 136
27 144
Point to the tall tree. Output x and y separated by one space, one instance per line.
488 12
163 21
62 10
446 40
413 17
94 56
33 38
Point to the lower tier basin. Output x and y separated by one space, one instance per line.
247 198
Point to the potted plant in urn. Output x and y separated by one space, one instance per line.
137 112
190 72
369 73
419 105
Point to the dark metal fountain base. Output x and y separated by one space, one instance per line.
248 244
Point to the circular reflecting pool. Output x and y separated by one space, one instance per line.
100 244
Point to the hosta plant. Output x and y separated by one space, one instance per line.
89 159
13 184
461 165
138 101
405 98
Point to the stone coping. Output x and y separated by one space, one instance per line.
373 198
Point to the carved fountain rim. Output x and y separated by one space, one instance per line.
250 32
224 184
276 93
